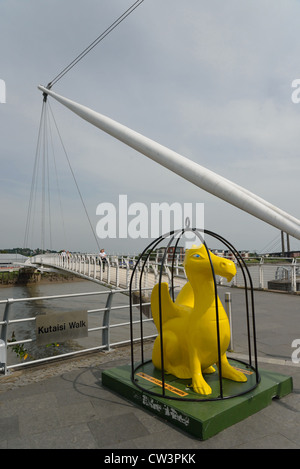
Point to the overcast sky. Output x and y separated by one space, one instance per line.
210 80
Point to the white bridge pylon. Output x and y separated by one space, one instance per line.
189 170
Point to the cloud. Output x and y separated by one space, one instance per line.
211 80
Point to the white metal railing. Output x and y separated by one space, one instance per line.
105 342
117 271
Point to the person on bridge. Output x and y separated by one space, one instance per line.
64 257
102 256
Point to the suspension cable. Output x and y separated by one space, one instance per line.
74 178
41 195
34 177
95 43
41 165
57 185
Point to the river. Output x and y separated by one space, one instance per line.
29 309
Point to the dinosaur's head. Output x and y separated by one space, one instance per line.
197 262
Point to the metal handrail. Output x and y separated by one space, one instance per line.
89 268
105 328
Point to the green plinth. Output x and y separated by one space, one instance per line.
193 413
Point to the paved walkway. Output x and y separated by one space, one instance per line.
64 405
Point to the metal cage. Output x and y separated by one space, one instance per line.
251 364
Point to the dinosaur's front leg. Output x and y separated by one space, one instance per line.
198 382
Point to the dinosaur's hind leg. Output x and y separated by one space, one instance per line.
231 373
156 354
171 350
173 360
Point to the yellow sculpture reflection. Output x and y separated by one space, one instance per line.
190 343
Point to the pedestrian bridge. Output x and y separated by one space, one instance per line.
115 272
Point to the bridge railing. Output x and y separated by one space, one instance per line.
108 327
267 273
116 270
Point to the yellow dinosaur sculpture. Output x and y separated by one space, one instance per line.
189 325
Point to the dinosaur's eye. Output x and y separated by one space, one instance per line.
196 255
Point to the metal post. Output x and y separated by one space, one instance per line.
3 341
3 357
294 277
117 273
95 267
282 243
228 311
108 269
89 266
288 243
106 322
127 261
261 273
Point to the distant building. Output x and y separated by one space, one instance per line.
229 254
292 254
218 252
178 253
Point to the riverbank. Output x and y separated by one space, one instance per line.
10 278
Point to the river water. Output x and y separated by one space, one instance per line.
30 309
